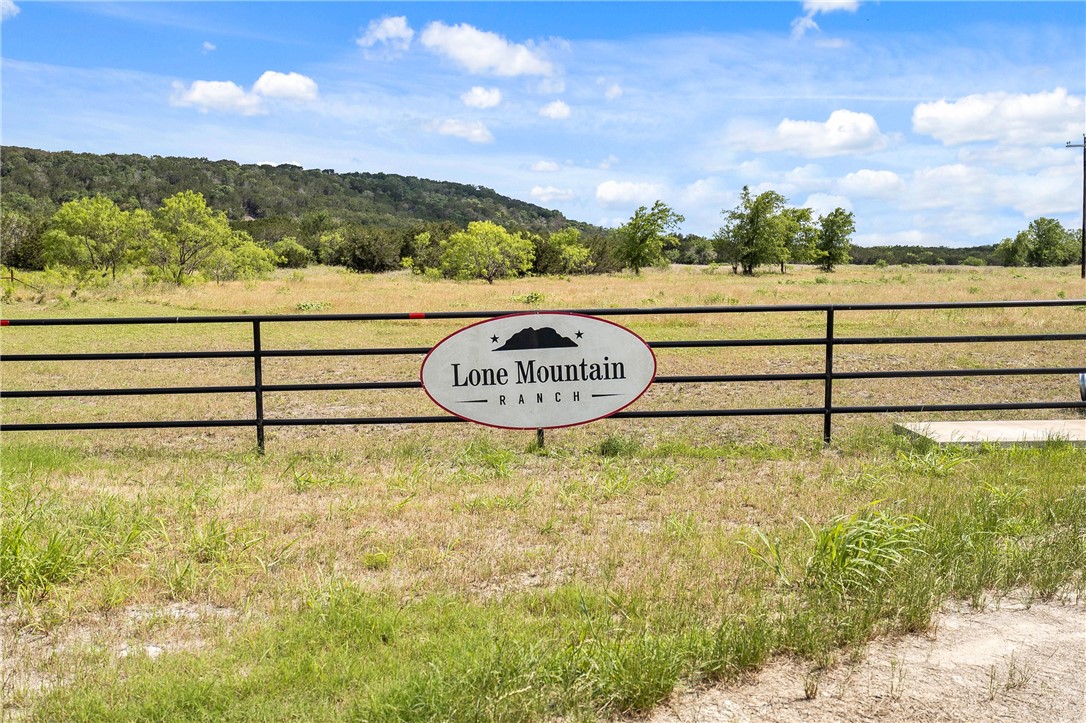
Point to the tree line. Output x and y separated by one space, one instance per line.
174 242
105 214
1045 242
184 239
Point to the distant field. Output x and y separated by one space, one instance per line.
455 572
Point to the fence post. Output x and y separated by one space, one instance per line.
258 386
827 401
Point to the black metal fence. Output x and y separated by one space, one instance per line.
829 341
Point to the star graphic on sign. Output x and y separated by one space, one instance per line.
580 334
494 338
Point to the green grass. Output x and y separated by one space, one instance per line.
46 541
458 573
606 643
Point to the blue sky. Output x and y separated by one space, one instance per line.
935 123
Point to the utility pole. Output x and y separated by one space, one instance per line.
1083 147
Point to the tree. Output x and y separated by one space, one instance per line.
242 259
800 235
291 254
726 246
20 241
370 250
313 225
692 249
424 254
1050 244
642 239
93 234
835 238
486 251
1045 242
251 260
755 231
562 253
1014 252
188 234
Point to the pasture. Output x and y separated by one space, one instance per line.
456 572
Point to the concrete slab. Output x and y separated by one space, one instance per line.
1021 432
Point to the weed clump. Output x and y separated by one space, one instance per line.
618 446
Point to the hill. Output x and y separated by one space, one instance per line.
40 181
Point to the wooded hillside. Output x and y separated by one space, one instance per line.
39 182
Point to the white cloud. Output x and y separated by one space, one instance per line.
207 47
472 131
844 133
1018 158
391 32
219 95
872 184
801 25
711 193
480 97
625 193
911 237
806 22
479 51
953 185
824 203
549 194
980 190
8 9
288 86
609 162
1014 119
613 92
229 97
760 188
555 111
546 167
808 175
1050 192
829 6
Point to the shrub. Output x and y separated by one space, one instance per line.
486 251
292 255
247 260
370 250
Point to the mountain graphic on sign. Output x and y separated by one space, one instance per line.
545 338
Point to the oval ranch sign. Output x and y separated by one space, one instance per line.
538 371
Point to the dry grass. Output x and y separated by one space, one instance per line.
341 292
647 511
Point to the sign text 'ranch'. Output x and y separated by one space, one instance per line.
538 371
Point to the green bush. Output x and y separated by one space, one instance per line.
486 251
369 250
292 255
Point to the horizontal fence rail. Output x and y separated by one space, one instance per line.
828 341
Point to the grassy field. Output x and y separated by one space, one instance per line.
454 572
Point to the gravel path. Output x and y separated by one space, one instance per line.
1015 662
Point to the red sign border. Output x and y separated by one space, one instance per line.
637 336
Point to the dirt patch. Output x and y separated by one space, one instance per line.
28 655
1011 662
